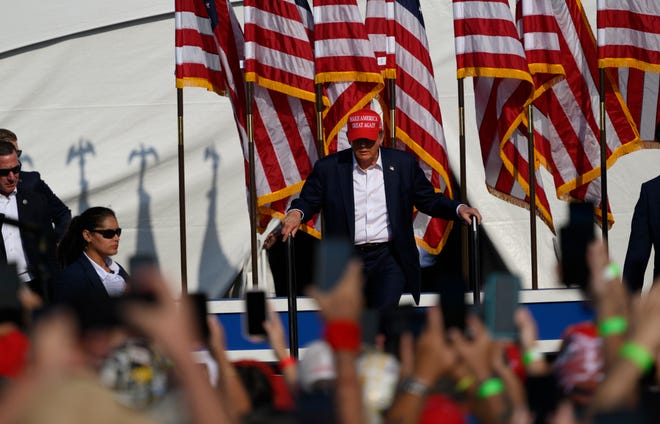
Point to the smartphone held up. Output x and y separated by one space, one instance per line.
332 257
574 238
501 299
255 315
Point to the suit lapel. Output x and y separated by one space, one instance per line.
391 181
21 202
24 215
93 276
345 171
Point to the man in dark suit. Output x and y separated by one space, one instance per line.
367 195
43 218
644 233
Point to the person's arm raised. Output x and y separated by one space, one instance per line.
433 358
636 356
341 308
490 405
277 339
171 327
230 387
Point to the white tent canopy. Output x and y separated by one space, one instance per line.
89 89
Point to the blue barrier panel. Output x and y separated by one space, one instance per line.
309 329
552 318
554 310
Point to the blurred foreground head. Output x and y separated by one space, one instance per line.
316 369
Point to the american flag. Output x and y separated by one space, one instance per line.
280 60
345 65
629 39
208 35
380 22
400 29
640 90
566 115
196 52
278 51
281 137
488 48
628 34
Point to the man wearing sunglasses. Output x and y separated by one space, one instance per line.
10 136
43 218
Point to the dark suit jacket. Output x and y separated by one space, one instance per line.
79 284
40 210
644 232
330 187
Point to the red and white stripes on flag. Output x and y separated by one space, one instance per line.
380 22
208 35
281 133
345 65
566 115
640 90
629 34
196 51
398 27
629 39
278 51
280 60
488 49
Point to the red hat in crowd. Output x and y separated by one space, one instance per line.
364 123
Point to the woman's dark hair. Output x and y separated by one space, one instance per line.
73 244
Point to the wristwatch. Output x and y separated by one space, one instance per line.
413 386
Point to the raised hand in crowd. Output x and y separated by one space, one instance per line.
611 301
172 327
433 358
230 387
277 340
635 357
488 400
341 308
535 362
59 386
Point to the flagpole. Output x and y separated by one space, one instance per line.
531 159
319 119
253 185
461 141
391 86
319 134
603 158
182 193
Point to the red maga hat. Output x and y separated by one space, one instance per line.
364 123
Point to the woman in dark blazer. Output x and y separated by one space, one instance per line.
89 274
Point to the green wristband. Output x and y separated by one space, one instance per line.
638 355
464 383
612 326
491 387
532 355
611 271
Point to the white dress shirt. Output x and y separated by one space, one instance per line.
372 224
113 282
12 237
